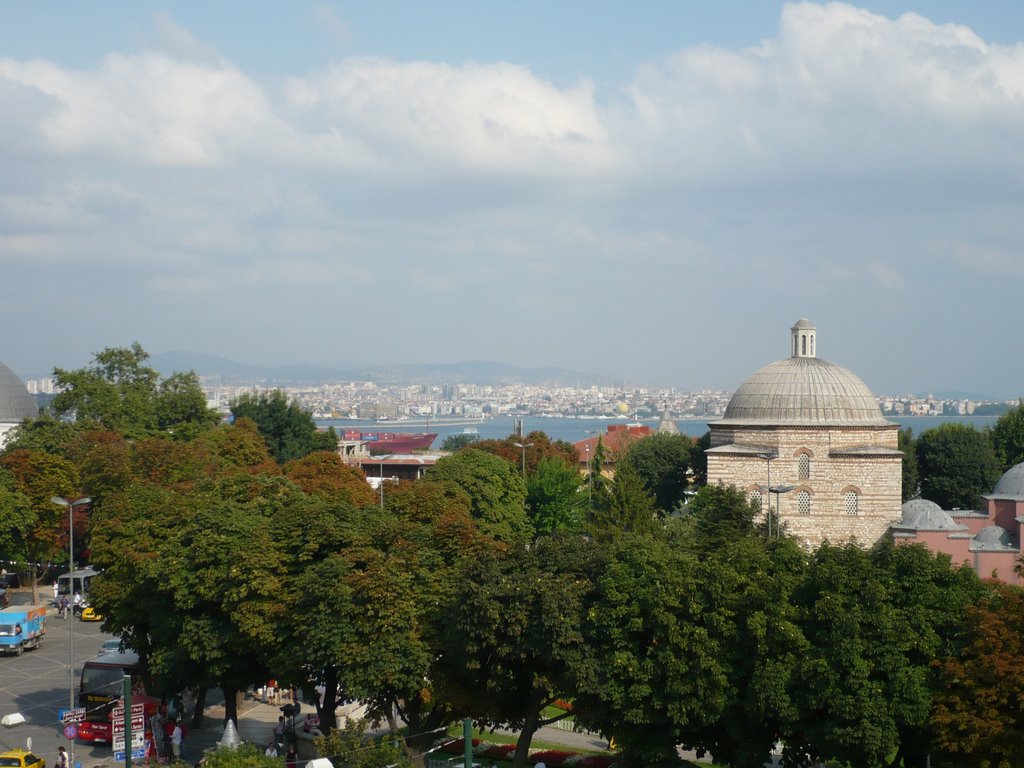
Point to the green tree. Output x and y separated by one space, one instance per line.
979 712
554 497
873 621
457 442
288 430
653 676
17 519
911 475
699 459
517 622
324 473
721 515
957 465
538 445
1008 437
660 462
625 506
245 756
122 394
496 491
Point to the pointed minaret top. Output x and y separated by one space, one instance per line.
803 335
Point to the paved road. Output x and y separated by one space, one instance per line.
36 683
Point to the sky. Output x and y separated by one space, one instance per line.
654 192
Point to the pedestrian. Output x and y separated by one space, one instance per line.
271 750
279 733
54 592
176 740
291 757
62 758
64 606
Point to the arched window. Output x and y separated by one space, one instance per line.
804 467
852 501
803 344
803 503
755 498
812 346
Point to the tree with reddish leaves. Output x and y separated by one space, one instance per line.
324 474
538 446
979 709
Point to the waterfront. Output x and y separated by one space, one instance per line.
572 430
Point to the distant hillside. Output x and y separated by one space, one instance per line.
484 372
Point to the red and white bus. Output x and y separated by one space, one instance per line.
102 687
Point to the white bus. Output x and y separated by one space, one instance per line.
81 583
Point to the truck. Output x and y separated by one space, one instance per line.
22 628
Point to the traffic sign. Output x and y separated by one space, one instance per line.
70 731
72 715
138 724
137 754
138 742
137 709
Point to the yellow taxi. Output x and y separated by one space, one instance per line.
88 614
19 758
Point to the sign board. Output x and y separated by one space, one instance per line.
72 715
138 741
137 709
70 731
137 754
138 724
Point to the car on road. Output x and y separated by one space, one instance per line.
4 600
88 614
9 581
113 645
20 758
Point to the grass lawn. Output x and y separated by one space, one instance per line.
506 738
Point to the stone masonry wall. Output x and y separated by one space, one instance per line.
876 479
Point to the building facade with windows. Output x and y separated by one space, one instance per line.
811 432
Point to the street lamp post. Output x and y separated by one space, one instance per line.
524 446
778 490
380 485
71 504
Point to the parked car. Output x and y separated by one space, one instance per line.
9 581
113 645
4 600
20 758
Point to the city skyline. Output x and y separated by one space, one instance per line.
653 194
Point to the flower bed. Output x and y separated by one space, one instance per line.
553 758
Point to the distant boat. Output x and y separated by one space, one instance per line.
471 431
392 442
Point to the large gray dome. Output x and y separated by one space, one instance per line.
803 390
15 401
993 539
1011 483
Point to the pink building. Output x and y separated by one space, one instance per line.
988 540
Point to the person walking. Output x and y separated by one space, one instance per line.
55 592
64 606
291 757
176 740
62 758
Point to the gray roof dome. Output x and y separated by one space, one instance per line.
803 390
924 515
1011 483
15 401
993 539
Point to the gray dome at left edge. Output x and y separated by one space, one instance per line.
15 401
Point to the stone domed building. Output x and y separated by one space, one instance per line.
16 403
813 433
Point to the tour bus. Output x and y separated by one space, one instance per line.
102 686
81 580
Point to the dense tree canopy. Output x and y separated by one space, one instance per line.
289 431
660 462
911 483
957 465
494 488
122 394
1008 437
